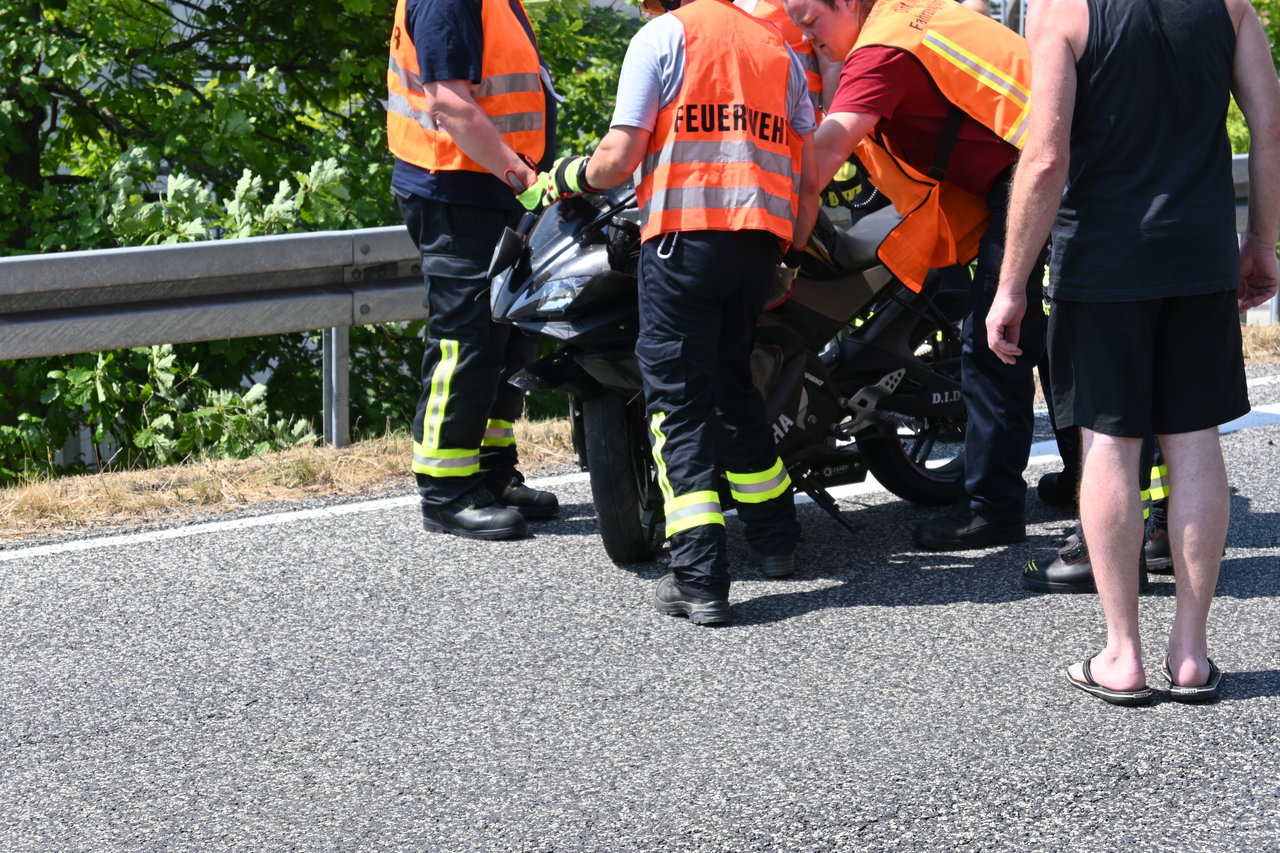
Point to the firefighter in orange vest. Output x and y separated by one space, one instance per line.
714 110
849 188
933 97
470 112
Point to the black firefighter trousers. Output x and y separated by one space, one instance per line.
462 431
701 293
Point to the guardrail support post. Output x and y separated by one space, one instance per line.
336 357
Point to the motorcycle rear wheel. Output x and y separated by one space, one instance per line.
922 460
622 478
899 459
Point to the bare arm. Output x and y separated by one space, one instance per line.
807 212
1257 91
456 111
617 156
1055 33
830 73
836 138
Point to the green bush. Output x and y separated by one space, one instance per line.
122 126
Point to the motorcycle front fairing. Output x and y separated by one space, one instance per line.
575 279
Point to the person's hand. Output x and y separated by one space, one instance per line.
1004 324
532 197
844 187
568 176
1258 274
784 278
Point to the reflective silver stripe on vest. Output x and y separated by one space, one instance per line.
505 84
512 123
399 105
808 61
501 84
515 122
1001 82
674 518
408 79
718 198
735 151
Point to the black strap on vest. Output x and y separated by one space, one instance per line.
946 143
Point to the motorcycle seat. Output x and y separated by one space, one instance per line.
848 250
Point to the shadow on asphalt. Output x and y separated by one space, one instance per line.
880 566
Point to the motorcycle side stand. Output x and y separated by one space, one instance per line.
823 498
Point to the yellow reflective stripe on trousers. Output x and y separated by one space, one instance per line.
438 399
989 76
499 434
759 487
1159 489
692 510
441 462
428 456
660 441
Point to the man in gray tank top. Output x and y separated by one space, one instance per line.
1128 132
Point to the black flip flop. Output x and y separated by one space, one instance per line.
1206 692
1128 698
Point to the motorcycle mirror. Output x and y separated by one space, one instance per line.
506 253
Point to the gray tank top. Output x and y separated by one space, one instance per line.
1149 208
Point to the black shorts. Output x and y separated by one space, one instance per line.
1162 366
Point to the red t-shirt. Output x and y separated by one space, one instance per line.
892 84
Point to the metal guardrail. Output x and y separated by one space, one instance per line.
115 298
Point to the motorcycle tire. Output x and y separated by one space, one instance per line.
622 477
899 463
899 457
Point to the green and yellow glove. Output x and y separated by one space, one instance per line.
532 197
844 187
568 176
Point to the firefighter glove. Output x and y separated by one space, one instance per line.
532 196
567 177
844 187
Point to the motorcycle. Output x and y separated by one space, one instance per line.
858 373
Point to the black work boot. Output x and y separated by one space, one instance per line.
534 504
1156 550
701 611
970 529
1058 489
475 515
1071 570
778 565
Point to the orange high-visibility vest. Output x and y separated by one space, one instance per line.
983 68
722 156
510 93
775 15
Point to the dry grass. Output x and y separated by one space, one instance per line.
205 487
1261 343
210 487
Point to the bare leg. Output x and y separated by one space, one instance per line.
1111 513
1199 509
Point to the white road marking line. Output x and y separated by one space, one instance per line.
1041 452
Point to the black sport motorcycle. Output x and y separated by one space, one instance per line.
859 374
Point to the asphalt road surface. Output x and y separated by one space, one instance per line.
333 678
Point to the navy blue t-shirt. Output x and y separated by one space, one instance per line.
450 41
